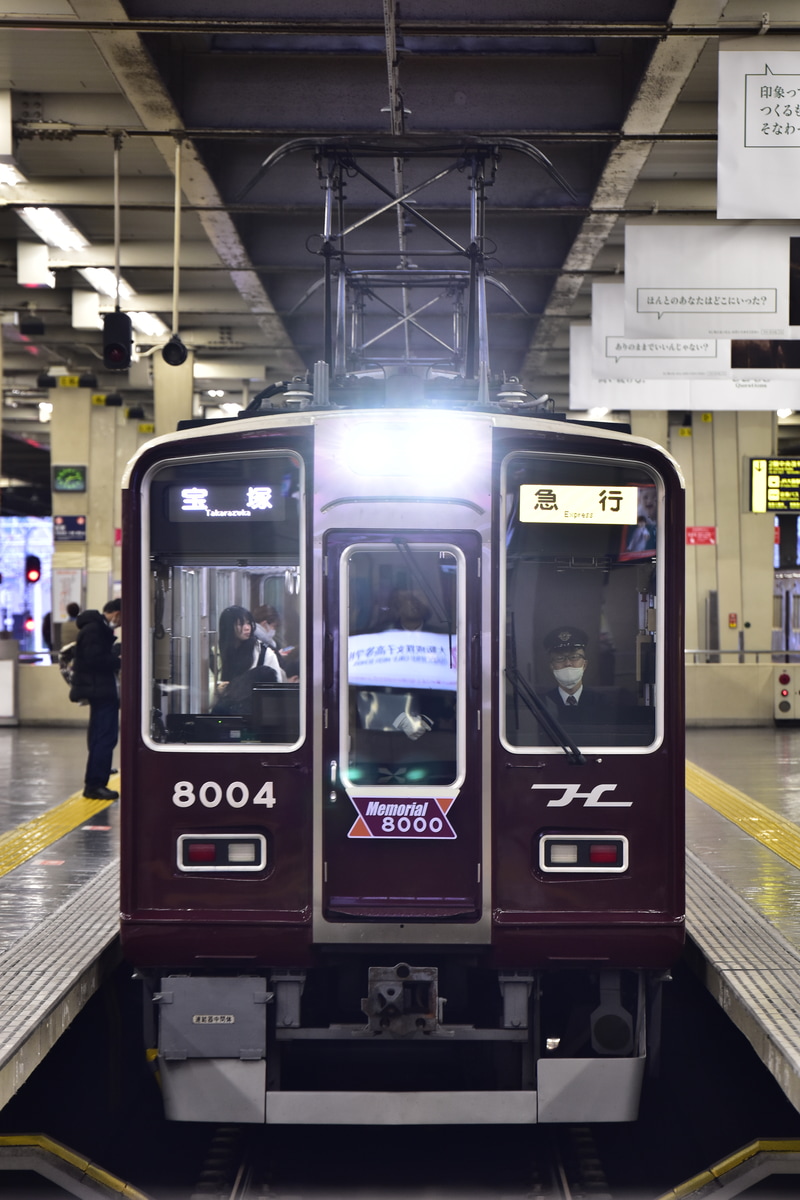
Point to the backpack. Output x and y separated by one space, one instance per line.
66 663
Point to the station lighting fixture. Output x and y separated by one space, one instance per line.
783 413
10 174
54 228
57 231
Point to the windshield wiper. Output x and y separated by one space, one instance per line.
551 726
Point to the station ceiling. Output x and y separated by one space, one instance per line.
579 117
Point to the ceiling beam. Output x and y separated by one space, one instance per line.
135 73
666 75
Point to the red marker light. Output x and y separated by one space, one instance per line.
784 692
602 852
30 625
201 852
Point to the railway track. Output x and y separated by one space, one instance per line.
342 1164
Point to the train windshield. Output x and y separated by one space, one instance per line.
581 658
225 601
401 609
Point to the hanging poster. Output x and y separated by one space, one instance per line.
758 129
691 395
616 356
717 281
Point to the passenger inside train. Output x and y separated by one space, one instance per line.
402 668
224 541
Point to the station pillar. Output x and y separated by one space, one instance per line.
729 551
83 436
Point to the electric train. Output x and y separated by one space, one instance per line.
400 879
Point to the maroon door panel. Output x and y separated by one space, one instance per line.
401 826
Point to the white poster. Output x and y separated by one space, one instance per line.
718 281
586 391
696 395
66 586
615 356
758 132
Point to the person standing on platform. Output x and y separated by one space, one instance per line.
97 660
68 631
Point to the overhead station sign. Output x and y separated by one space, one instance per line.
775 485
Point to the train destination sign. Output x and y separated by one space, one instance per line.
569 504
775 485
215 502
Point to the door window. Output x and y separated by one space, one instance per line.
400 664
580 642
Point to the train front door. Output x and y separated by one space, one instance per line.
402 796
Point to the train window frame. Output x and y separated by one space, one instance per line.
146 656
546 747
409 790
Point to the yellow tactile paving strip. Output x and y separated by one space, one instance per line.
760 822
22 843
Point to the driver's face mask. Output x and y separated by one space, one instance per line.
569 676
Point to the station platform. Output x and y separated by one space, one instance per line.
59 885
59 862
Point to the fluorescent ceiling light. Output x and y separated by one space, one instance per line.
10 174
54 228
148 324
104 281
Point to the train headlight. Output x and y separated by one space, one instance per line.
583 852
222 852
419 448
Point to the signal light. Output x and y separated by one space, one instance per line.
784 678
117 341
33 569
30 624
174 353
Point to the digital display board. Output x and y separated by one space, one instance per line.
775 485
68 479
203 501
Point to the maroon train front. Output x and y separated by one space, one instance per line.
385 869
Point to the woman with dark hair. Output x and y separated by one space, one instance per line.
243 660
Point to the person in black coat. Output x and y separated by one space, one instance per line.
570 702
96 666
593 716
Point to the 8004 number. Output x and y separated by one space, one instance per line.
210 794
